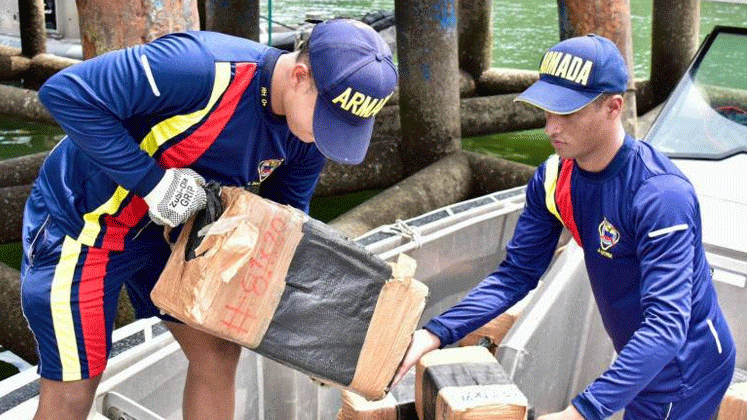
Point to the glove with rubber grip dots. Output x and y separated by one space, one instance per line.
176 197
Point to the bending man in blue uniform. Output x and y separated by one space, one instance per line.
637 219
146 127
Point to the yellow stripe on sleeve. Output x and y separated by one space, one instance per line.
551 182
92 227
171 127
62 316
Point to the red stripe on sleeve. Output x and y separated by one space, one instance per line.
563 199
191 148
91 307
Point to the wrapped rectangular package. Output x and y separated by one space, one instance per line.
295 290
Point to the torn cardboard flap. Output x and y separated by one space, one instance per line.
404 268
237 249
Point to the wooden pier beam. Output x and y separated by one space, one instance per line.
12 201
15 334
44 66
107 25
233 17
475 38
610 19
412 196
23 103
675 36
495 81
33 27
460 175
13 67
428 89
21 170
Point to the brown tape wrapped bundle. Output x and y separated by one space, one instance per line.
466 383
734 404
398 404
293 289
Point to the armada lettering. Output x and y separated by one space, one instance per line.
367 107
574 68
583 75
360 105
566 66
343 97
356 100
550 62
379 106
562 70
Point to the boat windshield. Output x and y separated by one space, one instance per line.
705 117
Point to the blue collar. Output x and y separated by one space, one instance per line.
267 66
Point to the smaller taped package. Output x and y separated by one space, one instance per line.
466 383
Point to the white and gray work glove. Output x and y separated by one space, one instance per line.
176 197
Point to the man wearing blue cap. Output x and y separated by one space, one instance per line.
637 219
146 127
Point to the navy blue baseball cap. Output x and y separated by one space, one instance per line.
575 72
355 76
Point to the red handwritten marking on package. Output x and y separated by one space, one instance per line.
261 269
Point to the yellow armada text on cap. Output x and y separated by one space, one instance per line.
359 104
566 66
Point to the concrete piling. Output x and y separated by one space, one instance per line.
33 27
675 36
107 25
233 17
610 19
428 90
475 40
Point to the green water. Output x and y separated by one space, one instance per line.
531 146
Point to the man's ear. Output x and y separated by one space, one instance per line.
300 74
614 105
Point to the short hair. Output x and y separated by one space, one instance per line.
303 57
602 98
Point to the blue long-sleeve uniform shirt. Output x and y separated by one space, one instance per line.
638 222
198 99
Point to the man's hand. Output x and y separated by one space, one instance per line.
422 342
570 413
176 197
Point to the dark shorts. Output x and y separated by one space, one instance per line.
70 292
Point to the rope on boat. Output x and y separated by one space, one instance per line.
403 229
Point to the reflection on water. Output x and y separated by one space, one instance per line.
19 137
